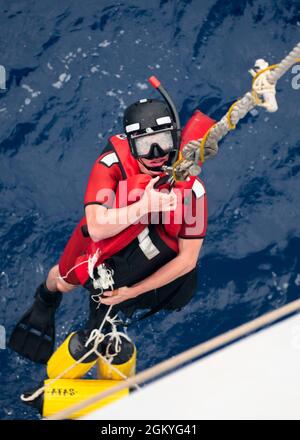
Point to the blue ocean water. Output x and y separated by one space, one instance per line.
72 67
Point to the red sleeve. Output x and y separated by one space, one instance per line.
103 181
195 213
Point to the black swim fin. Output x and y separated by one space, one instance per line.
34 335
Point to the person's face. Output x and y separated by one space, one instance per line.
158 162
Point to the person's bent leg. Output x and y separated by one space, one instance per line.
34 335
55 282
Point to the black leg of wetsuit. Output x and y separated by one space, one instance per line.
97 314
34 335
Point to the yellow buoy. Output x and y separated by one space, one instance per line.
65 357
122 365
66 392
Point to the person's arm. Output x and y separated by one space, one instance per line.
183 263
104 223
190 240
103 220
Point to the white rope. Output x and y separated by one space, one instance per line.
105 275
244 105
105 279
182 358
91 264
285 65
72 268
263 94
109 357
105 318
115 335
97 340
96 337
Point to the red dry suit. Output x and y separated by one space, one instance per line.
116 165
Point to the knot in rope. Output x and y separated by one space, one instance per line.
104 280
115 336
96 336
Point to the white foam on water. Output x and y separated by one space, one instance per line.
27 87
5 276
63 78
122 103
254 112
39 268
57 85
34 94
104 43
142 86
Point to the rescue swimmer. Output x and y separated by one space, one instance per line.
147 263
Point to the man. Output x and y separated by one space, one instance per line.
153 265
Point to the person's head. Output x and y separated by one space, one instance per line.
152 134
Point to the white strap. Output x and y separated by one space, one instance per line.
109 159
146 245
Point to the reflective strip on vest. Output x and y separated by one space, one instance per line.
109 159
198 189
146 245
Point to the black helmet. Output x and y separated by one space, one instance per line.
146 119
146 113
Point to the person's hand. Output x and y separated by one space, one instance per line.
110 298
156 201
